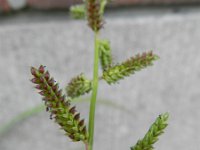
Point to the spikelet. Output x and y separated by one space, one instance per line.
118 72
105 54
78 11
94 16
78 86
152 135
60 108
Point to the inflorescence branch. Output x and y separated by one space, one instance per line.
59 106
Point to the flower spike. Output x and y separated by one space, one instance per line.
94 16
152 135
130 66
105 54
78 86
58 106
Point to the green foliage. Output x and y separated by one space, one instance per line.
59 107
78 86
152 135
78 11
130 66
105 54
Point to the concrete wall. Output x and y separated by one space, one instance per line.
8 5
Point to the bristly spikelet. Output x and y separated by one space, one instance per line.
60 108
78 86
94 17
105 54
152 135
78 11
118 72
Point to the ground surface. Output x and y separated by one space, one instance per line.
65 47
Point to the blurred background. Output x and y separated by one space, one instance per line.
34 32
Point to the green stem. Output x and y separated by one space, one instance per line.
94 93
19 118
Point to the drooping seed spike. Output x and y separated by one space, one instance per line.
59 107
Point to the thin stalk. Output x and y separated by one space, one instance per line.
19 118
94 93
